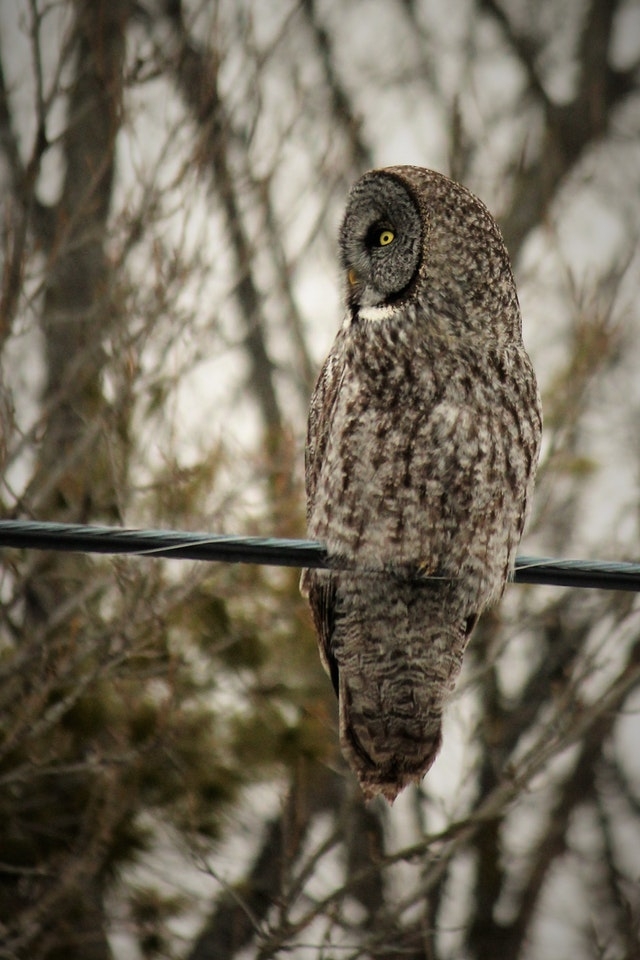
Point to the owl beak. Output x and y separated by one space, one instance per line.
354 288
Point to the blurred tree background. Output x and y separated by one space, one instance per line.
173 175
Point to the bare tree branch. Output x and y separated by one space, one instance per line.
569 128
361 157
238 914
22 207
196 72
76 315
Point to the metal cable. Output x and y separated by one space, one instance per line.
28 534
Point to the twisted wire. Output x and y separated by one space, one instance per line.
36 535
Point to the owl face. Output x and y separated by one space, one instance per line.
413 238
381 243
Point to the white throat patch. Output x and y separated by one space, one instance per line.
376 314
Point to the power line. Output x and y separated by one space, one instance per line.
29 534
162 543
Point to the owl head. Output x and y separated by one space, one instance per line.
411 236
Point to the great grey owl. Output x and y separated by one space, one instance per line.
422 446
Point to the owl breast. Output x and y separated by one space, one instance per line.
417 469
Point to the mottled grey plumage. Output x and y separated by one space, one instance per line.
423 440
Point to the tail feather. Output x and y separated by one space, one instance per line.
391 710
393 647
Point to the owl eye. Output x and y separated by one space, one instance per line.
379 236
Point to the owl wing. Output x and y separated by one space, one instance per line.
321 411
321 593
320 586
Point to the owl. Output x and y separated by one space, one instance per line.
422 445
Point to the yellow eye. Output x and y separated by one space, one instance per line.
386 237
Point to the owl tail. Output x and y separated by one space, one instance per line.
391 701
